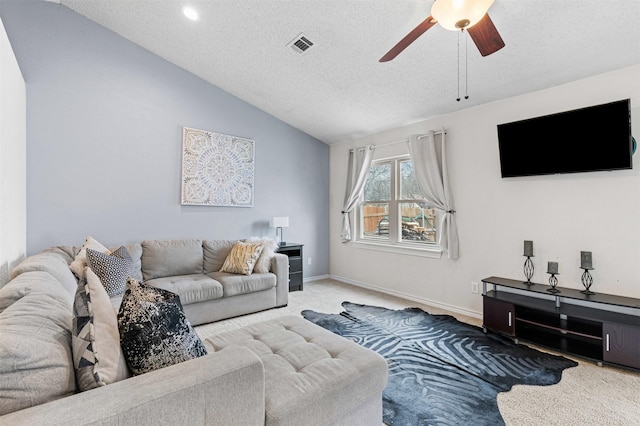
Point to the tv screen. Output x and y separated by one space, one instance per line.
594 138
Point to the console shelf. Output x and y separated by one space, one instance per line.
569 321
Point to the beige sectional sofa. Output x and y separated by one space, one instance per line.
286 371
190 268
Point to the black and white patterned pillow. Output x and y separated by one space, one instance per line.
112 269
154 332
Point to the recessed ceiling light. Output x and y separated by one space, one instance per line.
190 13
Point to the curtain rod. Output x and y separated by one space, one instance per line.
435 132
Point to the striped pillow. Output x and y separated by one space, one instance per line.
242 258
97 356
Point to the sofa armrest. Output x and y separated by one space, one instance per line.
216 389
280 267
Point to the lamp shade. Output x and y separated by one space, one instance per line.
280 222
458 14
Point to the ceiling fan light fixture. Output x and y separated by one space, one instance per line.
456 15
191 13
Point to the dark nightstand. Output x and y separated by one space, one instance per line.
294 251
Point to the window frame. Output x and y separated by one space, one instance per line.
394 243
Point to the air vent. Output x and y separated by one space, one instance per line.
300 44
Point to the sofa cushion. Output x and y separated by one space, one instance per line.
135 251
235 284
171 257
215 252
154 332
191 288
55 261
112 269
242 258
269 246
78 264
97 356
36 362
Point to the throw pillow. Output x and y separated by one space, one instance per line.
154 332
112 269
97 357
242 258
80 261
269 246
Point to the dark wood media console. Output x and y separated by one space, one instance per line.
569 321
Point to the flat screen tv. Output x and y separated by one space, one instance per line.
595 138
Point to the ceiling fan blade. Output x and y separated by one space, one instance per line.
408 39
486 37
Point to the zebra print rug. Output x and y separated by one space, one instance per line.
441 371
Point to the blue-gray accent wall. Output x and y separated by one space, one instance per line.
104 139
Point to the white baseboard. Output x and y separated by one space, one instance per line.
456 309
316 278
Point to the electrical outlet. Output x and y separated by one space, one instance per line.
308 261
474 287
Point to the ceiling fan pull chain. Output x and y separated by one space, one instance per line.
466 65
458 98
466 68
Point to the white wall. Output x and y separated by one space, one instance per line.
13 187
562 214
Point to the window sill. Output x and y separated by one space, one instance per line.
433 252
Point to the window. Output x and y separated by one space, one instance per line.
393 210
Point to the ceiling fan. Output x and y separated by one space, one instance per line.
457 15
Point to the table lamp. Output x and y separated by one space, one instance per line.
280 222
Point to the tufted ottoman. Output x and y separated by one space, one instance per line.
312 376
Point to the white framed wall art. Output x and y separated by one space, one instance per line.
217 169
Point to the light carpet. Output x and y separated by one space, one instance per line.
587 394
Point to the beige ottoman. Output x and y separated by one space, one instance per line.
312 376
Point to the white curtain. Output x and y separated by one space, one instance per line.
358 169
430 165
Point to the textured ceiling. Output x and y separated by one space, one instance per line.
337 90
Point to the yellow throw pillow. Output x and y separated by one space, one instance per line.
242 258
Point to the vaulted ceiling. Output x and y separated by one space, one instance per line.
337 90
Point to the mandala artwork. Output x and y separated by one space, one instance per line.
217 169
